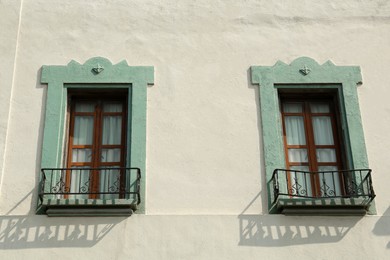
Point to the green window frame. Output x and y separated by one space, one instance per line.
305 73
95 73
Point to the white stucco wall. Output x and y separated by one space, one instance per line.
9 21
206 196
195 237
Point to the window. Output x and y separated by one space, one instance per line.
311 145
94 142
97 134
315 156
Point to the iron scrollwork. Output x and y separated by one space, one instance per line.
119 182
336 184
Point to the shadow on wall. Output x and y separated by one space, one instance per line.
22 232
382 226
279 230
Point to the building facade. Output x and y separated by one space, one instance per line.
194 129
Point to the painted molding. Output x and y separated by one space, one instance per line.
304 73
305 70
96 72
98 69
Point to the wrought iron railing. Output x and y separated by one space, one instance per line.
324 184
90 183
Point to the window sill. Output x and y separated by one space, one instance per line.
86 207
322 206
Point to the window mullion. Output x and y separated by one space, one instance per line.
311 148
310 138
97 135
96 149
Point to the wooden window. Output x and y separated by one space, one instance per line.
96 146
311 141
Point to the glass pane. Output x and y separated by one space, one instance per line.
83 130
322 126
329 181
326 155
109 182
112 107
112 130
85 107
111 155
81 155
292 107
300 182
297 155
319 107
79 183
295 131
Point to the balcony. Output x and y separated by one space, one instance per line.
89 191
347 192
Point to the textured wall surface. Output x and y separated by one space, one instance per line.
205 186
9 26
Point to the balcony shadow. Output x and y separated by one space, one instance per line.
279 231
31 231
382 226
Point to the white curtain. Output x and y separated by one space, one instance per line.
326 155
329 181
109 180
300 182
292 107
112 129
80 183
85 107
295 131
83 130
319 107
82 155
112 107
112 135
323 135
322 127
297 155
82 135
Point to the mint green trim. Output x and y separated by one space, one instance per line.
97 72
299 74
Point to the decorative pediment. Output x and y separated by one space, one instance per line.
97 70
305 70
